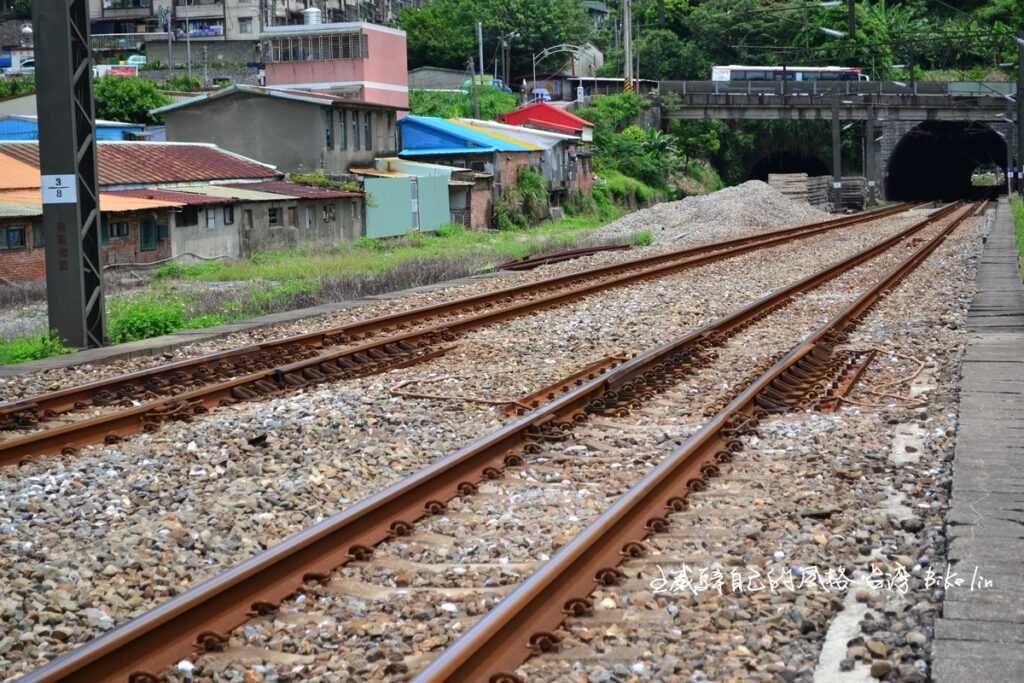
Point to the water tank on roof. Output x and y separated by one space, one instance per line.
311 16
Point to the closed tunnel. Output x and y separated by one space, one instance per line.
935 160
788 162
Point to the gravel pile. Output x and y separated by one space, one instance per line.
734 211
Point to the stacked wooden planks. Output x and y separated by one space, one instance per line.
800 187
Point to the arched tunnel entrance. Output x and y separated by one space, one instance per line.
935 160
788 162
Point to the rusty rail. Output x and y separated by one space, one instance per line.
169 378
558 257
524 622
200 617
312 368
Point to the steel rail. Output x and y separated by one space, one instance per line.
524 622
198 618
216 364
372 356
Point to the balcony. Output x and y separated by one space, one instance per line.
101 42
198 9
127 9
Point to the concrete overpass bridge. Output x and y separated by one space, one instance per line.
903 113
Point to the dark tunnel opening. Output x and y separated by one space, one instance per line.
788 162
935 161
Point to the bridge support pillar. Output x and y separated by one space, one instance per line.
837 159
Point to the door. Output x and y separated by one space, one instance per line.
149 234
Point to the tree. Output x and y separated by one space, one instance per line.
443 32
128 99
663 56
456 104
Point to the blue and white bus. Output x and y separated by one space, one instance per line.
737 72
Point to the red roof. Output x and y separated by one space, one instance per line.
296 190
184 198
542 113
144 163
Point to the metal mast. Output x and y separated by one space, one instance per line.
67 164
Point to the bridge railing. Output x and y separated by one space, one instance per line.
825 88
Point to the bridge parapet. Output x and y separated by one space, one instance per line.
828 88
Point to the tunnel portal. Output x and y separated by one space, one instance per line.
936 158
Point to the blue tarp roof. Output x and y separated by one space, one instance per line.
426 135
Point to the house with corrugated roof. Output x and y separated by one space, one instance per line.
455 142
546 116
296 130
172 200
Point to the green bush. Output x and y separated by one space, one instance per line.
32 348
642 238
19 85
578 203
449 105
315 179
183 83
128 99
524 204
144 317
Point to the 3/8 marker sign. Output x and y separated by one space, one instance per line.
59 189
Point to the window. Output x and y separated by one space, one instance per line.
189 216
274 215
318 47
12 237
245 24
293 216
163 232
211 219
355 212
367 131
229 215
120 230
309 215
39 236
329 128
247 219
328 214
342 131
355 129
104 230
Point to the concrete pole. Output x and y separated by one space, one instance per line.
837 156
869 155
1020 116
188 39
627 43
480 46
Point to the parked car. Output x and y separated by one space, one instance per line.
488 81
136 60
26 68
540 95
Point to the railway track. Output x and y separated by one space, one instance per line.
203 615
141 401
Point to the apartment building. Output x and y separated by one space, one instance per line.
227 29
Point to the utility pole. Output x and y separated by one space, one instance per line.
837 157
627 44
472 89
206 65
851 17
480 47
69 176
188 38
1020 115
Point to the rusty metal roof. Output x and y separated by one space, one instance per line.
297 190
183 198
154 163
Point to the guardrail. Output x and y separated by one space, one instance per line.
818 88
124 41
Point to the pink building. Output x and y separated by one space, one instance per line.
364 61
